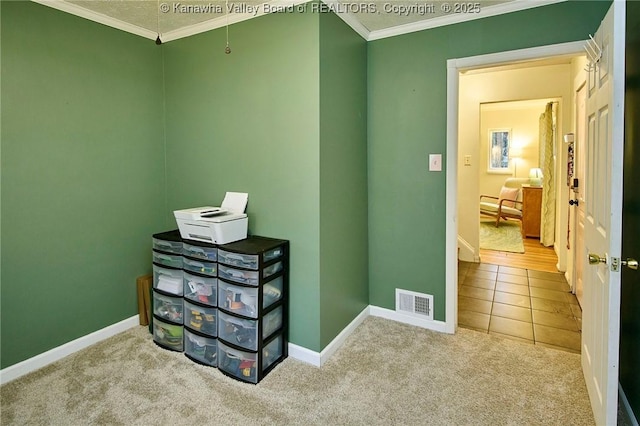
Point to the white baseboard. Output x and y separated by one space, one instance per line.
318 359
300 353
27 366
303 354
467 253
439 326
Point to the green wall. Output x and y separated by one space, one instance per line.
343 176
104 134
283 117
82 175
407 121
249 122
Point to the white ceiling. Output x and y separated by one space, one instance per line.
372 19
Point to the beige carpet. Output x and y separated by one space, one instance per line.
506 237
387 373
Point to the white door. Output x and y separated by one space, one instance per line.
603 217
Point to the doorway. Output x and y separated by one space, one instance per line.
511 299
516 242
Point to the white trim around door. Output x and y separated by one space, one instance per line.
454 67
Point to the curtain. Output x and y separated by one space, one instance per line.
547 164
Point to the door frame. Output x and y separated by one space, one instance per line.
454 67
579 170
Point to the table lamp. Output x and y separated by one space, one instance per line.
535 177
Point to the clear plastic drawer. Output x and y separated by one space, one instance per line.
271 269
168 335
167 280
239 364
167 246
250 366
272 352
239 276
200 266
171 260
244 332
248 261
200 348
199 289
244 300
248 277
168 308
199 251
202 319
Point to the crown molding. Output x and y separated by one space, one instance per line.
167 36
97 17
499 9
223 21
348 18
333 5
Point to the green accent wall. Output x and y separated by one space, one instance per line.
282 118
104 134
82 175
407 96
249 122
343 176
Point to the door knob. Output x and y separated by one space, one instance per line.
594 259
630 263
573 202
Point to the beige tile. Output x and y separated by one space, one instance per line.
487 275
551 276
513 279
550 306
557 337
550 319
484 267
543 293
512 299
512 271
476 293
512 288
559 348
511 311
549 284
506 336
474 305
474 320
521 329
480 283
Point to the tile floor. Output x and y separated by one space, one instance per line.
530 306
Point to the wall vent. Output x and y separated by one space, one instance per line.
418 305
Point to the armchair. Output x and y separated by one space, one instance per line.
508 205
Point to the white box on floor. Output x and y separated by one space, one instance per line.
215 225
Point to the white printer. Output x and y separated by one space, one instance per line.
216 225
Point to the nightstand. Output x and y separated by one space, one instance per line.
531 210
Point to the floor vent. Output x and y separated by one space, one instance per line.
415 304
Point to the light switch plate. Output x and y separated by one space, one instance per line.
435 162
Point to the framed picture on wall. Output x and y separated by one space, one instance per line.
499 155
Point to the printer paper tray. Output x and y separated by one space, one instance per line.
196 231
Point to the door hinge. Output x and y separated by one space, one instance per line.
615 264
